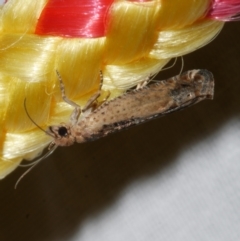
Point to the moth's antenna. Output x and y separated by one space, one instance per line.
25 107
166 68
182 60
175 60
169 67
35 163
54 147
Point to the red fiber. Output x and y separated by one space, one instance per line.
225 10
74 18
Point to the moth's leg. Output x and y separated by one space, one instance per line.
143 83
106 98
108 92
77 109
91 103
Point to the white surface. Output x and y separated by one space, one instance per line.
198 198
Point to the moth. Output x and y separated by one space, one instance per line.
132 108
146 102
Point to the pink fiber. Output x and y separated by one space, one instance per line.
225 10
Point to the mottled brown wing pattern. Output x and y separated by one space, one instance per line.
134 107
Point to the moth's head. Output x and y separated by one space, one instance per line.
61 134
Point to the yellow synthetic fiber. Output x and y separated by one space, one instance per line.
118 76
23 144
173 43
123 31
21 16
180 13
86 65
7 166
141 37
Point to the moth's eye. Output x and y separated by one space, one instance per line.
62 131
